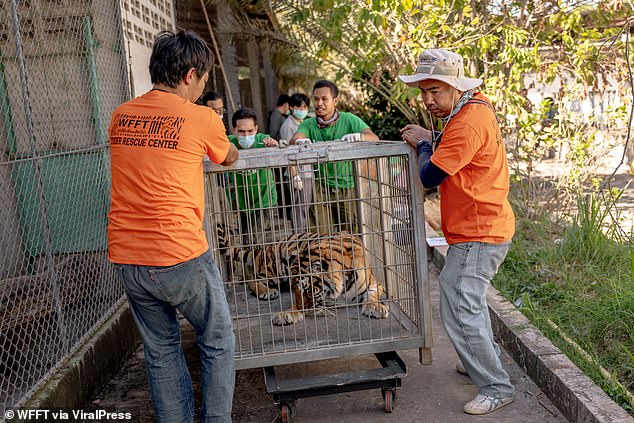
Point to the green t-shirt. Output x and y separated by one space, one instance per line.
338 174
254 188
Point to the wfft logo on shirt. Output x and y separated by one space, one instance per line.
147 131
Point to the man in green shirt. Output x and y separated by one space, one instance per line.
334 209
255 188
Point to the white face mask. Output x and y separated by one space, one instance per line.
246 141
300 114
220 116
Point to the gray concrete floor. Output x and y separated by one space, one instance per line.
430 394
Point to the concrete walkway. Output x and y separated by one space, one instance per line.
429 394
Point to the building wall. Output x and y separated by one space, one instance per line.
593 103
142 20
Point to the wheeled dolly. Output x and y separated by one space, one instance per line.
286 391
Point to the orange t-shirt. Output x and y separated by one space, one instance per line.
157 145
473 198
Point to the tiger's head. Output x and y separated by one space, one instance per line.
314 283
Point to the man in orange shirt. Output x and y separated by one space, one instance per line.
155 228
469 164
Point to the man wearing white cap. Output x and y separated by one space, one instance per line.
467 160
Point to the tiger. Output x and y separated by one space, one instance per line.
331 267
318 269
269 264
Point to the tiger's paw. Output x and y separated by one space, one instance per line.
270 294
287 318
375 310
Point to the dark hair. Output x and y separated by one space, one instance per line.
244 113
296 100
327 84
210 96
175 53
281 100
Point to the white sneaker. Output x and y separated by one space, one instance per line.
484 404
460 368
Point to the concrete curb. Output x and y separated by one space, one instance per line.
101 356
577 397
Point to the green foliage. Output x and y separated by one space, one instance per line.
585 239
384 119
571 138
581 278
372 41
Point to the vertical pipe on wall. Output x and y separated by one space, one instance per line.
48 244
125 49
95 99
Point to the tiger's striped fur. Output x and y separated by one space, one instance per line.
332 266
269 264
319 269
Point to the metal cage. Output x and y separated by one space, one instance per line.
297 250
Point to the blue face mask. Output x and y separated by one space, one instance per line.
300 114
246 141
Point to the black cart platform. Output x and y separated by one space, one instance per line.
286 391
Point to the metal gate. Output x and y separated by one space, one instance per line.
348 277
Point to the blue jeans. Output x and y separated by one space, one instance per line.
195 289
469 268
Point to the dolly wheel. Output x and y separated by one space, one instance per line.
388 396
286 412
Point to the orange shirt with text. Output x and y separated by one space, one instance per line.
157 145
474 202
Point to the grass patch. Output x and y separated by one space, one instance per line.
580 278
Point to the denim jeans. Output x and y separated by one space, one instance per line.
469 267
196 290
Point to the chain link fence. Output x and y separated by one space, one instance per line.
62 72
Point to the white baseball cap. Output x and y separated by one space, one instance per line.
441 65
